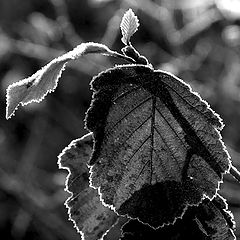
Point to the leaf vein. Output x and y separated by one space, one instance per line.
170 151
145 164
137 150
188 103
126 93
164 168
128 113
184 144
130 135
152 134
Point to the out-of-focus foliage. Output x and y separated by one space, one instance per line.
199 41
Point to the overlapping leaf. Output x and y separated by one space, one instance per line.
44 81
209 221
90 217
157 144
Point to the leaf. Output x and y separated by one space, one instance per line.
115 232
44 81
129 25
85 209
209 221
157 144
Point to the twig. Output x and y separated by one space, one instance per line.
235 173
126 58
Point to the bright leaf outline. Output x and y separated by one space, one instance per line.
91 219
45 80
129 25
193 142
210 220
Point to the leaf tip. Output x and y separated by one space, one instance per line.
11 106
16 93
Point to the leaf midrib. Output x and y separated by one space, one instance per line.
152 119
154 100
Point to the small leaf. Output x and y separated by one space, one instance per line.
209 221
44 81
85 209
129 25
157 144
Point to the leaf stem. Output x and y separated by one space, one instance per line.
119 55
235 173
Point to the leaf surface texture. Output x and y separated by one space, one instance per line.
209 221
157 145
129 25
85 209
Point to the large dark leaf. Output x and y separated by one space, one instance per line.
90 217
157 145
209 221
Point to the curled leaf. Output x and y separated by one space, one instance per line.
129 25
44 81
85 209
157 144
209 221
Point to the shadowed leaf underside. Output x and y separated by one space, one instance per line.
209 221
85 209
157 145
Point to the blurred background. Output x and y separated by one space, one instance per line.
198 40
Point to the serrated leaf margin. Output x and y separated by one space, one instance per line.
58 64
129 25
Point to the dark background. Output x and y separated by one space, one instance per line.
198 40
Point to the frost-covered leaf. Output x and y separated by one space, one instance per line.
129 25
157 146
85 209
209 221
36 87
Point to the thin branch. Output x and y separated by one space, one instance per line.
126 58
235 173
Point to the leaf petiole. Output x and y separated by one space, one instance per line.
119 55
